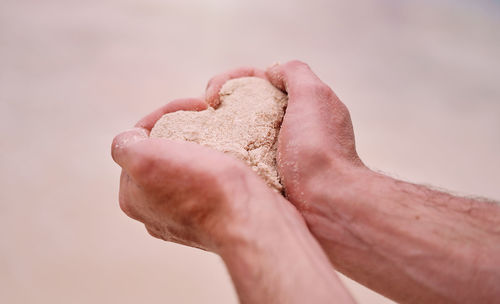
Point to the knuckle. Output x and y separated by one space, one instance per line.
142 165
126 207
233 172
316 89
153 232
211 82
322 90
244 70
313 156
297 64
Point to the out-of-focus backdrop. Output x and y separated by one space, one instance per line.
421 78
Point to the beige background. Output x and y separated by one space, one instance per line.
421 79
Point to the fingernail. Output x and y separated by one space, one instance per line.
131 136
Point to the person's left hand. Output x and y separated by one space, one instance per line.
186 193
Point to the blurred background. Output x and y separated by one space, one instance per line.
421 79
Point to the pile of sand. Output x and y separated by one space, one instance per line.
245 125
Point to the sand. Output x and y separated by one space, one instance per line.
245 125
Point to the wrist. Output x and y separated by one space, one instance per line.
266 223
318 171
333 184
333 200
275 259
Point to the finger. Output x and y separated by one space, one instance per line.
128 191
295 78
215 84
148 160
123 140
313 108
141 156
309 97
153 232
186 104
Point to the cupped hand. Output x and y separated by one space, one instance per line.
181 191
316 136
316 141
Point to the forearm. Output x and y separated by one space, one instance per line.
408 242
278 261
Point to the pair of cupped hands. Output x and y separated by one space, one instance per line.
196 196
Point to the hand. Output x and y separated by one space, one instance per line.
181 191
316 135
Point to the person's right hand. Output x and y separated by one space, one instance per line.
316 137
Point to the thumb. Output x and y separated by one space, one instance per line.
124 140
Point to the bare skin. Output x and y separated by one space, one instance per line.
408 242
192 195
405 241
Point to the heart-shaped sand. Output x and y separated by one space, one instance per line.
245 125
